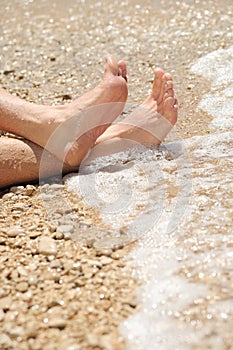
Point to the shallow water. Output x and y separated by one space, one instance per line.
178 201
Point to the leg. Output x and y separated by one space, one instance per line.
147 124
75 126
20 162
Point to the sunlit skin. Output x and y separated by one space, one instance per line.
47 129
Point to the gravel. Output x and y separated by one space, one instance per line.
64 283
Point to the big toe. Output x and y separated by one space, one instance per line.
111 66
158 83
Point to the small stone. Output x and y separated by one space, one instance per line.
3 293
18 206
133 302
118 254
28 296
96 263
35 234
72 347
29 190
67 236
22 287
57 322
80 283
105 260
104 252
65 228
52 228
32 280
47 246
10 316
56 264
14 232
2 315
8 196
77 266
5 303
16 331
31 330
92 339
5 341
58 235
16 189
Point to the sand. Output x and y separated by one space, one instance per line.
69 294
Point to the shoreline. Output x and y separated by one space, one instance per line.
66 290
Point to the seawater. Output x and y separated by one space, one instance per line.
177 202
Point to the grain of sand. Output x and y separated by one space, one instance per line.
57 293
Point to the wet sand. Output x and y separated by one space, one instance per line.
70 295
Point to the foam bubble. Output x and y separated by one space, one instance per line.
218 67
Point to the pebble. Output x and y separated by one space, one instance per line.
65 228
96 263
31 329
9 317
72 347
8 196
57 322
52 228
2 315
118 254
16 189
16 331
3 293
22 287
29 190
5 341
56 264
58 235
104 251
106 260
47 246
5 303
77 266
14 232
92 339
28 295
35 234
20 206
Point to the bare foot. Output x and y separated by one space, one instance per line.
69 131
153 119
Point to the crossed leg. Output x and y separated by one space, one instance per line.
149 123
69 131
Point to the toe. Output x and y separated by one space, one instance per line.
171 109
166 88
122 69
169 85
111 66
167 77
157 84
